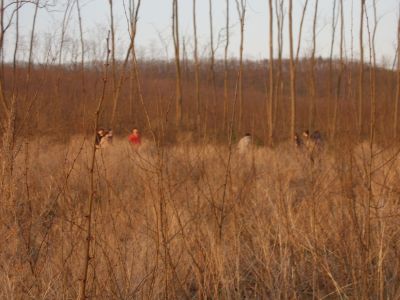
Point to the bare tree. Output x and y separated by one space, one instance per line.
64 26
370 164
30 57
311 126
113 61
280 19
9 103
212 68
3 99
361 79
175 35
397 99
341 71
133 8
312 105
17 5
372 50
132 20
334 22
241 10
293 63
226 92
350 74
196 68
31 44
270 101
82 44
8 122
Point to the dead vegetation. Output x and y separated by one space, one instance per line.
289 228
187 215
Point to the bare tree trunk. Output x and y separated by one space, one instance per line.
133 19
10 109
212 70
3 100
366 278
8 144
184 59
2 31
65 21
226 92
241 9
293 64
397 100
339 80
132 34
330 79
303 14
28 93
8 151
350 90
133 92
16 47
83 85
175 34
313 105
196 69
271 75
311 126
361 80
280 19
112 29
66 17
32 40
30 56
113 64
292 75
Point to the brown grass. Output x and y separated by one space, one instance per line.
163 227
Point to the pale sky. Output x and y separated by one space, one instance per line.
154 28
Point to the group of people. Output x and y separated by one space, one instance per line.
308 141
104 138
311 143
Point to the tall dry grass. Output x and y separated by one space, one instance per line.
176 222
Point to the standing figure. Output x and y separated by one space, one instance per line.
298 142
307 141
313 144
107 139
99 136
134 138
317 138
245 144
306 134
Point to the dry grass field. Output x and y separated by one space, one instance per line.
197 211
202 222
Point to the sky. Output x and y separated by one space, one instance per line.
154 37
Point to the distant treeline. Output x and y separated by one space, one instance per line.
60 99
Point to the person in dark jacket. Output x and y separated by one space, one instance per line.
99 136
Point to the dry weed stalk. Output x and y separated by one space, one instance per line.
88 253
